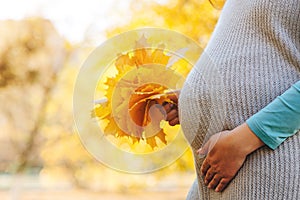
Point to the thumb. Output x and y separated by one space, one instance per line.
210 144
204 149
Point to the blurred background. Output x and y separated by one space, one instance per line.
43 44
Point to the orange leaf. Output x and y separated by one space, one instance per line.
141 101
151 141
162 136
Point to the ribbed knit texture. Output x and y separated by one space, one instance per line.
253 56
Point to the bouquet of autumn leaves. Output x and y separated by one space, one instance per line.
146 79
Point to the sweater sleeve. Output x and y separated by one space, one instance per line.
278 120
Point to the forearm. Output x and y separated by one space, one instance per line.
245 140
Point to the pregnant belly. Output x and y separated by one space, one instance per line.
216 98
202 109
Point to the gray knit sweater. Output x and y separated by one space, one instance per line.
253 56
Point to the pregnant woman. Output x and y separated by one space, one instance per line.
240 105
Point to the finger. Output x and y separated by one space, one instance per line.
173 122
222 185
205 166
209 175
173 95
172 115
214 181
174 98
168 106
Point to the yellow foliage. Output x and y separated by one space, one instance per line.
194 18
131 109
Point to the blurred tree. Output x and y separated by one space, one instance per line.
32 53
194 18
38 71
63 154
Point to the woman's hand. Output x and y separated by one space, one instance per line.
226 152
172 109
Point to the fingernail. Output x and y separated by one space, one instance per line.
201 152
201 156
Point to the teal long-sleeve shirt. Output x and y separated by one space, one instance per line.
278 120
